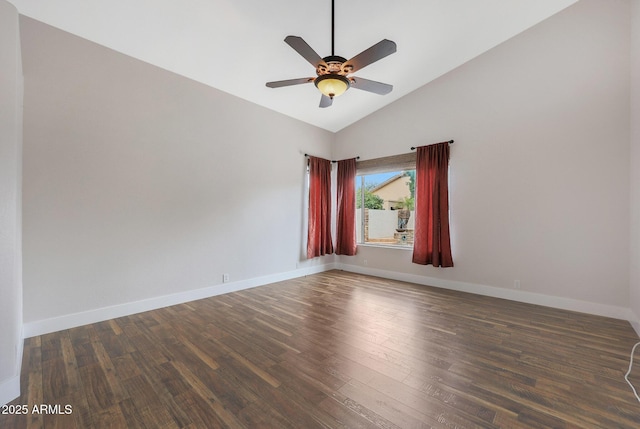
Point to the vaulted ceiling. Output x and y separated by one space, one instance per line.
237 45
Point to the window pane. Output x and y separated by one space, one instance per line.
384 212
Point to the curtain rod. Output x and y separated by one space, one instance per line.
450 142
307 155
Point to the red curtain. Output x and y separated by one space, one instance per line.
432 243
319 234
346 216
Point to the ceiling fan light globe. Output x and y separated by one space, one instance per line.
332 85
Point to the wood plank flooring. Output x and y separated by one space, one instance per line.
334 350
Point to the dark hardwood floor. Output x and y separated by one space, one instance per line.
334 350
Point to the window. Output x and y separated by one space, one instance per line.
385 195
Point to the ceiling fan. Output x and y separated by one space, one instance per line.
333 71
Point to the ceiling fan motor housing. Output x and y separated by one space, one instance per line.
333 64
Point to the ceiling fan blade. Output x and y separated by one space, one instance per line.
368 56
307 52
325 101
370 85
289 82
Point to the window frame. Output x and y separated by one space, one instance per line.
395 163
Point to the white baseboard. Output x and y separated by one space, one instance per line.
635 322
9 389
68 321
496 292
45 326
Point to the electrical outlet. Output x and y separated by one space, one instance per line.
225 278
516 284
365 262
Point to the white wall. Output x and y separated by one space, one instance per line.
539 169
139 183
635 162
10 190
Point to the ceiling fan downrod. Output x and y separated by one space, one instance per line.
333 27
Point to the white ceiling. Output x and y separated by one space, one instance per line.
237 45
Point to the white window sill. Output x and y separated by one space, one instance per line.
385 246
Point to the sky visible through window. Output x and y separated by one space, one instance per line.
376 179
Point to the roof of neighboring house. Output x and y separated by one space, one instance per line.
386 182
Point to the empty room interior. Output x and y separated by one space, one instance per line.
158 211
